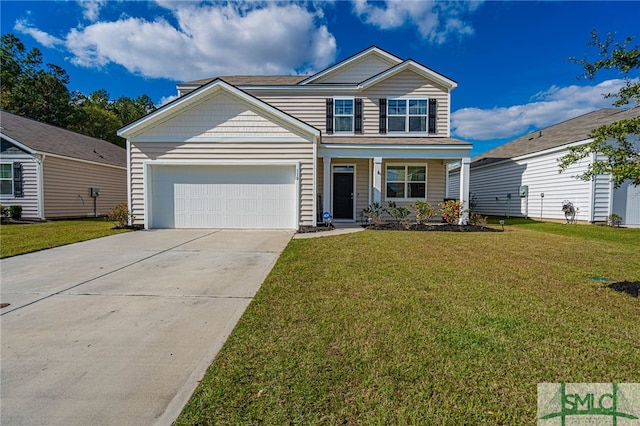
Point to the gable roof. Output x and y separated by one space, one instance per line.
300 80
48 139
569 131
177 105
410 64
371 51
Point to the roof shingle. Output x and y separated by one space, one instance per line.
573 130
50 139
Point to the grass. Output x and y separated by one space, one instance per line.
388 327
18 239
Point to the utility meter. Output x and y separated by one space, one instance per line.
95 192
524 191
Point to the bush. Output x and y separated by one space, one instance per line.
400 214
614 220
4 212
119 215
15 212
374 213
451 211
424 211
478 219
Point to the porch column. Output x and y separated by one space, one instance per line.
377 180
464 189
326 185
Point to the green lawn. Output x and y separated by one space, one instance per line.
388 327
18 239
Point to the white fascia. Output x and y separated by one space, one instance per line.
18 144
216 85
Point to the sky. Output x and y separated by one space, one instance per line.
509 58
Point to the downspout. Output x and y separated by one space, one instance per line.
39 177
129 202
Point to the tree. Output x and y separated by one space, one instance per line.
31 89
622 155
92 117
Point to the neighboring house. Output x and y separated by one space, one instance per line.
532 161
50 171
279 151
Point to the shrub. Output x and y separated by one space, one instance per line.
399 213
424 211
4 212
15 212
119 215
614 220
451 211
374 213
478 219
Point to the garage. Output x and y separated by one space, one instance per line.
238 196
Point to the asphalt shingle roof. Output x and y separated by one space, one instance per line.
252 80
573 130
49 139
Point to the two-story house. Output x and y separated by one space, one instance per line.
280 151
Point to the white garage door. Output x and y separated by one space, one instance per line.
223 196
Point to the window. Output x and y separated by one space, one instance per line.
406 181
407 115
6 179
343 115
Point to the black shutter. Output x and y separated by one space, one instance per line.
358 116
383 115
433 107
330 115
17 180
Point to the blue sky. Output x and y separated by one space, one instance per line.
510 59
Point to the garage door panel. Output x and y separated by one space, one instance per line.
223 197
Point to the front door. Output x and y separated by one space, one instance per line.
343 194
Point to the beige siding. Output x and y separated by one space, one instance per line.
203 151
29 202
405 84
67 183
219 116
310 105
357 71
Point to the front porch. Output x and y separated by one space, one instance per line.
351 178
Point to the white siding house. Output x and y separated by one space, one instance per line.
497 176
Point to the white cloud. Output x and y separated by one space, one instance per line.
165 100
436 22
91 8
41 37
209 40
548 107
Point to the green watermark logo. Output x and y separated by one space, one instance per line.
569 404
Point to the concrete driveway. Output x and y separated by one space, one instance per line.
119 330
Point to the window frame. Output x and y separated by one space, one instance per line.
336 115
10 179
407 116
406 182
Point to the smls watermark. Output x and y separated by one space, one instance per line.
577 404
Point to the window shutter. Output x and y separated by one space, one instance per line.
17 180
433 107
358 116
330 115
383 115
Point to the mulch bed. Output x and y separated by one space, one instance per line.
632 288
311 229
444 227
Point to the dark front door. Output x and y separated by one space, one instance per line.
342 195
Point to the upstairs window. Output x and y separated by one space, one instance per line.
343 115
407 115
